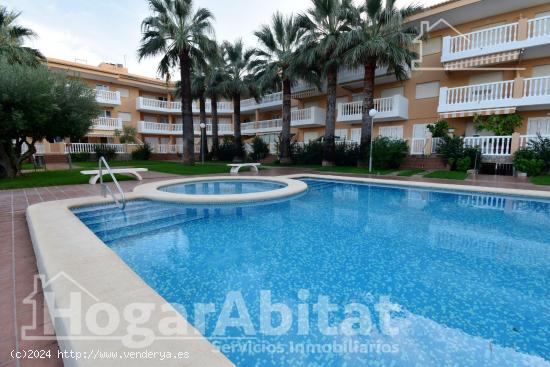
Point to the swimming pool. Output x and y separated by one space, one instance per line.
222 187
466 275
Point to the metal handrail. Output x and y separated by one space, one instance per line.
104 188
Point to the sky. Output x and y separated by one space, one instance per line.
91 32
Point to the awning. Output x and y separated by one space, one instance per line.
494 111
486 60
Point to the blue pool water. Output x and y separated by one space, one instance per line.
469 273
223 187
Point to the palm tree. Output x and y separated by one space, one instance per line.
12 37
378 39
237 84
325 24
214 90
198 91
277 65
181 35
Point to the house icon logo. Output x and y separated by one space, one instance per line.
42 324
425 28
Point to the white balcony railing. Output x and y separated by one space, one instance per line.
262 126
146 127
269 100
107 123
490 145
155 105
525 140
312 116
497 39
388 109
538 27
107 97
485 38
90 147
471 97
537 87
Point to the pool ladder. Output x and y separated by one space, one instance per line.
106 189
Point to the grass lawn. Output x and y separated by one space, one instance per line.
52 178
166 167
341 169
541 180
410 172
450 175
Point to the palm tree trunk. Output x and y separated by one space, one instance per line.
8 167
284 144
329 146
187 110
366 119
202 118
237 127
215 137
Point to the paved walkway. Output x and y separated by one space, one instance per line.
18 264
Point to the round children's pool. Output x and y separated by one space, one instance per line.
223 187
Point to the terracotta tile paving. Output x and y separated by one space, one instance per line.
18 264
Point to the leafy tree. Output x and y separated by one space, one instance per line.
498 124
325 25
12 37
277 65
214 90
440 129
198 91
36 104
378 38
128 135
237 83
181 36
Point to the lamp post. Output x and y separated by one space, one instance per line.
203 128
372 113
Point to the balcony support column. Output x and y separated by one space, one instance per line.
522 29
514 146
428 145
518 87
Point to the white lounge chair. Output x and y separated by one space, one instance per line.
129 171
235 167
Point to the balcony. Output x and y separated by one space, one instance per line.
394 108
308 117
145 127
106 123
267 101
510 94
266 126
165 107
528 35
357 75
107 98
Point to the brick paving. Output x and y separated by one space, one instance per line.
18 263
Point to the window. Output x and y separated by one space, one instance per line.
431 46
165 141
542 14
487 26
162 98
101 87
105 113
541 70
341 134
152 141
392 132
163 120
125 116
150 119
538 125
310 135
124 92
356 135
390 92
427 90
486 78
357 97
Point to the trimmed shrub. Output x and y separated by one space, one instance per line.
347 154
541 149
228 150
260 149
308 153
142 153
104 151
388 153
454 154
81 157
533 167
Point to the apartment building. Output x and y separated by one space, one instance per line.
477 57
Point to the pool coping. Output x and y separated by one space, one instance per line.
63 244
152 190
